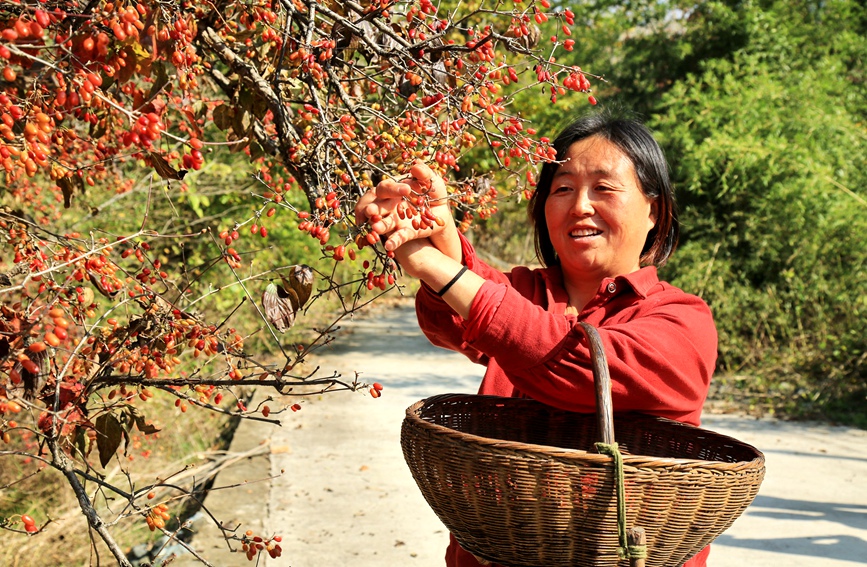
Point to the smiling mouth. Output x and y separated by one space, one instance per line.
585 233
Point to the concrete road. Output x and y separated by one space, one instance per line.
343 496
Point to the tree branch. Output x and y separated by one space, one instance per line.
62 462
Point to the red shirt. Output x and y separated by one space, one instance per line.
661 345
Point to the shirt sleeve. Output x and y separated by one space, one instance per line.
660 361
439 322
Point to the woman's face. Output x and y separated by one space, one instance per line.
598 217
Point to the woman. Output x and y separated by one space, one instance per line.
604 218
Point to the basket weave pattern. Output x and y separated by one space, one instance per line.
517 482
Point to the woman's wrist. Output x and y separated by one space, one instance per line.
452 282
422 260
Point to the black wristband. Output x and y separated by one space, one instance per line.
451 283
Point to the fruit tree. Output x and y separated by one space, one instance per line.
322 99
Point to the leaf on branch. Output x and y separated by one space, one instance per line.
250 102
278 306
139 420
67 186
98 285
32 374
256 151
197 111
241 122
442 76
281 303
300 282
97 129
109 434
160 80
164 169
140 52
126 72
347 41
144 427
81 442
407 89
223 117
525 42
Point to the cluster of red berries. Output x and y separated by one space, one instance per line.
253 545
29 524
317 231
376 390
195 159
157 516
147 129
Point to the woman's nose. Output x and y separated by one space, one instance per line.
583 205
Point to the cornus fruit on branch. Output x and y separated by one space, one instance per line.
105 306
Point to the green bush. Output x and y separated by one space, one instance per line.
771 168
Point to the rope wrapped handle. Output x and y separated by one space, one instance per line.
632 541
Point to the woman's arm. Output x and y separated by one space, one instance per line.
441 324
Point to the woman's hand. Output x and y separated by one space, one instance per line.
413 208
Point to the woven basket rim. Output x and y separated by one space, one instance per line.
565 455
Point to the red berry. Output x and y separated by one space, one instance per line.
28 520
30 366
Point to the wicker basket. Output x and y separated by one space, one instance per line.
519 483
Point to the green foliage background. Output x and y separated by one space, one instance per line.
760 107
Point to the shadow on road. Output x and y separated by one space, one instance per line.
840 547
852 515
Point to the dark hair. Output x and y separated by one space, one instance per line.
636 141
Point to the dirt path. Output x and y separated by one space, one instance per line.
346 498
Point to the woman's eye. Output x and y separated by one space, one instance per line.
562 189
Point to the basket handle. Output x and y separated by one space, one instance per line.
602 380
633 541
